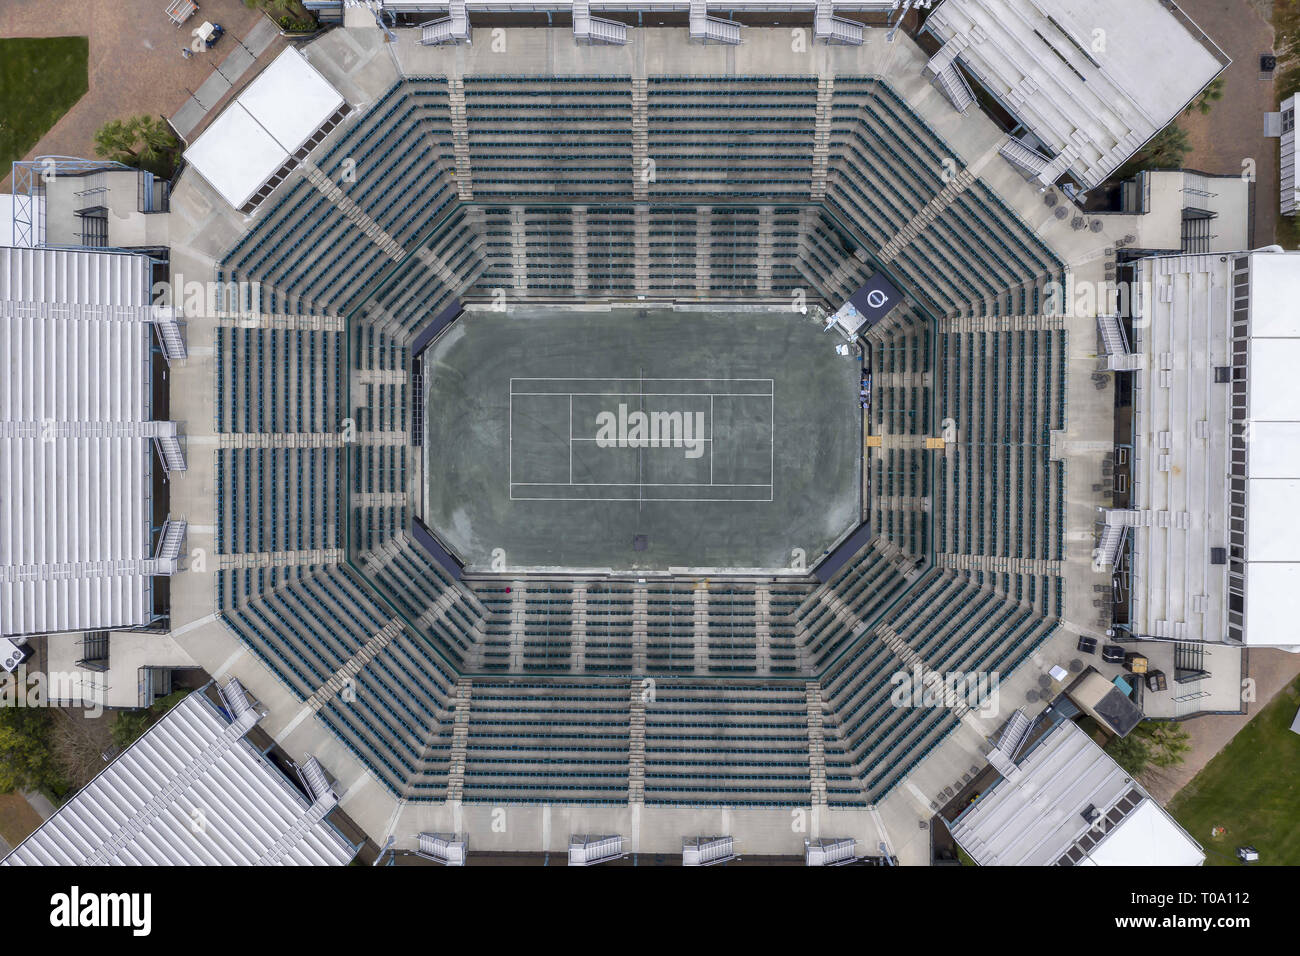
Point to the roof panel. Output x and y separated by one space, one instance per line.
235 808
266 124
290 100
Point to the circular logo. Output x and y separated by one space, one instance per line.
876 298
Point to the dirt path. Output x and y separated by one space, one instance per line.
135 62
17 818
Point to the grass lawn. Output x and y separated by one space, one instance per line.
40 79
17 818
1252 788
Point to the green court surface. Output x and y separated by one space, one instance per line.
640 439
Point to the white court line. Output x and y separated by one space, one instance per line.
678 447
647 394
633 484
579 377
769 393
647 500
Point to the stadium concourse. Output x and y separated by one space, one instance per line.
419 183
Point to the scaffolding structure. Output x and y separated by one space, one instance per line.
29 179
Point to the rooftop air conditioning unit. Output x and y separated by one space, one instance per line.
12 654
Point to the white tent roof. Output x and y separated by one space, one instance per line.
191 791
1273 460
74 457
1182 457
266 124
1146 837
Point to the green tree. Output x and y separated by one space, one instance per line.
143 141
291 8
128 725
115 140
1167 148
1209 96
1169 742
1157 744
1131 752
26 758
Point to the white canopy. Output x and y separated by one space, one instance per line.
1146 837
1273 462
260 131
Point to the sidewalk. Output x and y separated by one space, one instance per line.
18 818
40 803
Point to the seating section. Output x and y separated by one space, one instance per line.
742 137
552 138
998 492
553 741
278 380
722 188
420 590
611 627
977 257
885 163
396 163
900 476
719 745
279 499
304 624
448 260
871 743
831 620
828 259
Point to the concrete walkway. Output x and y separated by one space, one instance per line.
40 803
135 63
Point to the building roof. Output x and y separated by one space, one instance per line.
1147 836
1067 803
259 133
190 791
1079 73
1193 392
1272 558
1181 422
1106 702
75 457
